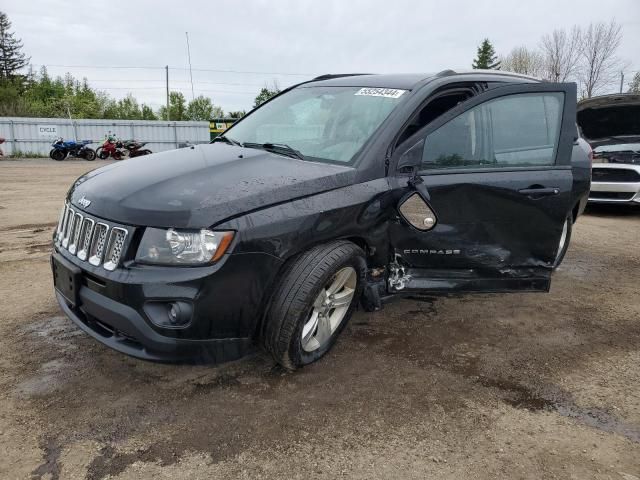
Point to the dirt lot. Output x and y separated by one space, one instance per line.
514 386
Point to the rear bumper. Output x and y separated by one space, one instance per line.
121 328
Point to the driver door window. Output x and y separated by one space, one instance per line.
520 130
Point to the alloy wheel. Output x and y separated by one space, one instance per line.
329 309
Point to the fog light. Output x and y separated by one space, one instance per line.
175 314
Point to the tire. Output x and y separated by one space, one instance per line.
565 238
101 154
58 155
116 155
307 279
89 154
145 152
51 153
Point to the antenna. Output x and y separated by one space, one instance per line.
193 95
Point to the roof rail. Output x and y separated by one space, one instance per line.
329 76
445 73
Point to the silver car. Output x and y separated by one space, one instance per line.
611 125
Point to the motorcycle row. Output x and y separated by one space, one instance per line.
112 147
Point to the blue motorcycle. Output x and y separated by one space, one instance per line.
72 148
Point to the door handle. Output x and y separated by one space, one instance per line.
539 192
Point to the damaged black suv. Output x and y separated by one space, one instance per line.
342 191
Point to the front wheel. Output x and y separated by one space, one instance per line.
58 155
89 154
101 153
313 302
563 244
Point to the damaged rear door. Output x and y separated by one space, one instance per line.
495 193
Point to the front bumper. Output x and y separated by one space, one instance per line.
227 300
123 329
615 183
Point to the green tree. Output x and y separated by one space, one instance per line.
236 114
12 60
634 85
202 108
177 107
147 113
486 57
265 94
128 108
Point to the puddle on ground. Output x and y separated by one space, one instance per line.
48 379
56 330
551 398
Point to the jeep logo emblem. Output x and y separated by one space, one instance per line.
84 202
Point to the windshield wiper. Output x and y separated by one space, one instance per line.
280 148
230 141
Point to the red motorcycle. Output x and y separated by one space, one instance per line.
112 147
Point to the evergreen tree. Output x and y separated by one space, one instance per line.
265 94
634 85
11 57
486 57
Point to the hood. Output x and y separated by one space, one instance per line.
200 186
610 119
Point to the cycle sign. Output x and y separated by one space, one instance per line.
48 130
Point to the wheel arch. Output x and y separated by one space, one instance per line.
267 297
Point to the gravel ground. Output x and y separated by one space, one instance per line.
486 386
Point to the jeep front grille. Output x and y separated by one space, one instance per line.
91 239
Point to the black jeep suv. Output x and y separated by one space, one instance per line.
342 191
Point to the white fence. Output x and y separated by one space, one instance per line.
35 135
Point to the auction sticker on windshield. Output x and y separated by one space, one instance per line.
380 92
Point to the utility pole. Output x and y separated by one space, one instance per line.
193 95
167 72
621 81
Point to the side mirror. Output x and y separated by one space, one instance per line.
411 160
417 212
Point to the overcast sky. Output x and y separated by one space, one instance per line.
273 40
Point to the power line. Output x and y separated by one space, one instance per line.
193 95
174 68
97 66
178 81
176 88
247 72
103 80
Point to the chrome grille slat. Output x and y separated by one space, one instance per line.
90 239
74 235
85 238
98 243
60 226
115 247
67 226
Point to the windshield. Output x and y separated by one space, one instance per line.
322 123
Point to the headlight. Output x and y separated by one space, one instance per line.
182 247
